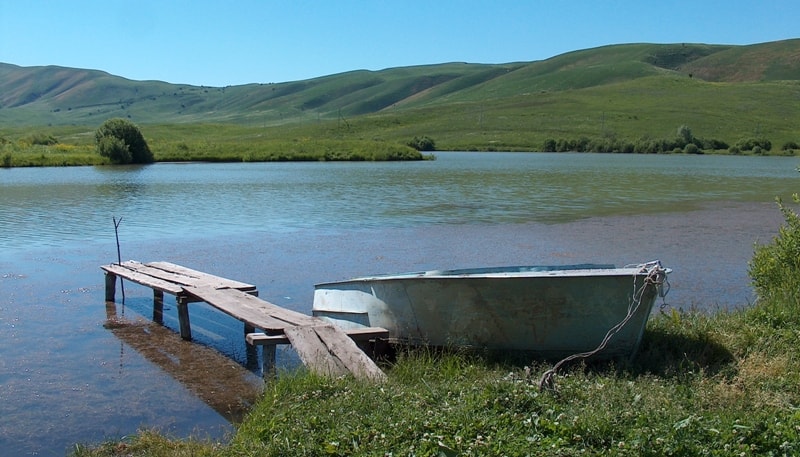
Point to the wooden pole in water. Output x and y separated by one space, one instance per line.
119 260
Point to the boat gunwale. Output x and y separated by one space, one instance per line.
512 273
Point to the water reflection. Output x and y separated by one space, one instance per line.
224 385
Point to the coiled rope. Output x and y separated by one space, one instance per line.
656 276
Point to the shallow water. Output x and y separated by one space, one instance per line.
74 370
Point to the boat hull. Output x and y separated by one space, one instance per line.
551 311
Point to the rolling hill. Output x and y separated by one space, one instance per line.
626 90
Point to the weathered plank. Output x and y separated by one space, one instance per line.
183 276
234 297
262 339
247 308
366 333
199 278
356 334
351 356
324 348
313 352
143 279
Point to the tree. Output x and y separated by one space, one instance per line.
122 142
685 135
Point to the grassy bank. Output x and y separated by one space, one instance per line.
721 384
75 149
365 139
727 384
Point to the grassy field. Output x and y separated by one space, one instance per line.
622 94
635 112
725 384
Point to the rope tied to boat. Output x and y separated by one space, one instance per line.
656 276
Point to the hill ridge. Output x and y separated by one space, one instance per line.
55 95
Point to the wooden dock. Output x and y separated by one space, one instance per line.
323 348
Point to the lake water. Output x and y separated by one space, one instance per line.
73 369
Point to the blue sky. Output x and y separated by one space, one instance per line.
216 43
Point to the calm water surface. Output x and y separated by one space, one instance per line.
74 370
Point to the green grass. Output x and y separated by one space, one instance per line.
701 385
209 143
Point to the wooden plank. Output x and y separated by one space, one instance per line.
313 352
143 279
173 277
242 306
233 299
199 278
261 339
351 356
365 333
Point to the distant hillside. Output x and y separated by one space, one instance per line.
31 96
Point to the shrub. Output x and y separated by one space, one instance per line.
115 149
789 146
42 139
775 267
130 136
713 144
423 143
749 144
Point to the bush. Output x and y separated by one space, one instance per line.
115 149
423 143
713 144
692 148
790 146
749 144
775 267
130 136
43 139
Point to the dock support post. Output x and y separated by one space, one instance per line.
183 317
268 370
158 307
251 352
111 286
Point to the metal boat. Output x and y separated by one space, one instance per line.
552 311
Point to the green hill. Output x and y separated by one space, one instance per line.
624 91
